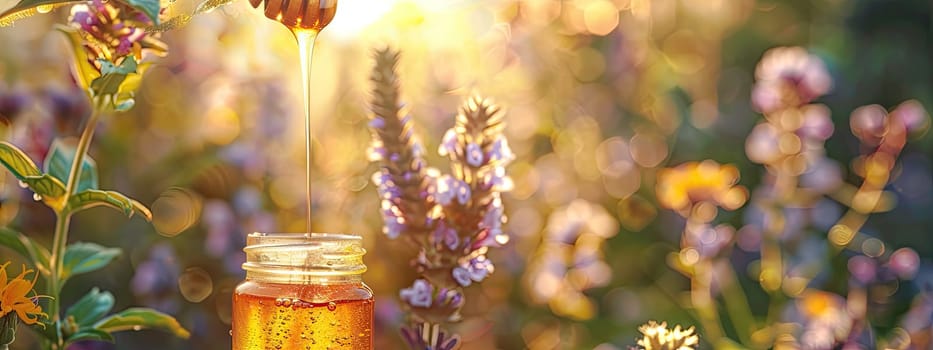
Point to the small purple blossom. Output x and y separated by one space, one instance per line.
708 240
816 123
376 153
156 279
448 144
497 180
463 193
904 263
220 222
445 191
501 152
418 295
447 236
393 225
462 276
479 268
868 123
822 176
787 77
912 114
863 268
450 299
435 338
377 123
872 123
449 188
474 155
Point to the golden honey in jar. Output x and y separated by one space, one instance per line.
303 292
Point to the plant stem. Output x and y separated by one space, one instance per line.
701 297
737 306
63 220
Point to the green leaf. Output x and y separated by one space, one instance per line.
27 248
28 8
89 334
90 308
128 66
112 77
8 328
17 161
116 200
84 71
50 190
123 104
47 329
141 318
149 7
58 164
124 99
84 257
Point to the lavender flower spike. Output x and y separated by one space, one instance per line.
452 219
402 181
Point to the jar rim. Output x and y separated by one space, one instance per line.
258 238
280 255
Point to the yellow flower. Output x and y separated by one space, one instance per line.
14 296
658 337
690 183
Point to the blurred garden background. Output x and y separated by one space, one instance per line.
600 96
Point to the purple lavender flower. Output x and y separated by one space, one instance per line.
446 236
402 180
479 268
156 279
112 31
787 77
416 337
68 108
501 153
912 114
462 276
872 123
453 219
448 143
12 103
474 155
418 295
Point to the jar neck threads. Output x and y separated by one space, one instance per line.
304 258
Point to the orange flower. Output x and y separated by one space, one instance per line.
707 181
13 296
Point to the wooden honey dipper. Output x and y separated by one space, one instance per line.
299 14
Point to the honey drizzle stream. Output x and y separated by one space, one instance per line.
305 19
306 38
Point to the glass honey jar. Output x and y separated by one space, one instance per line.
303 292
